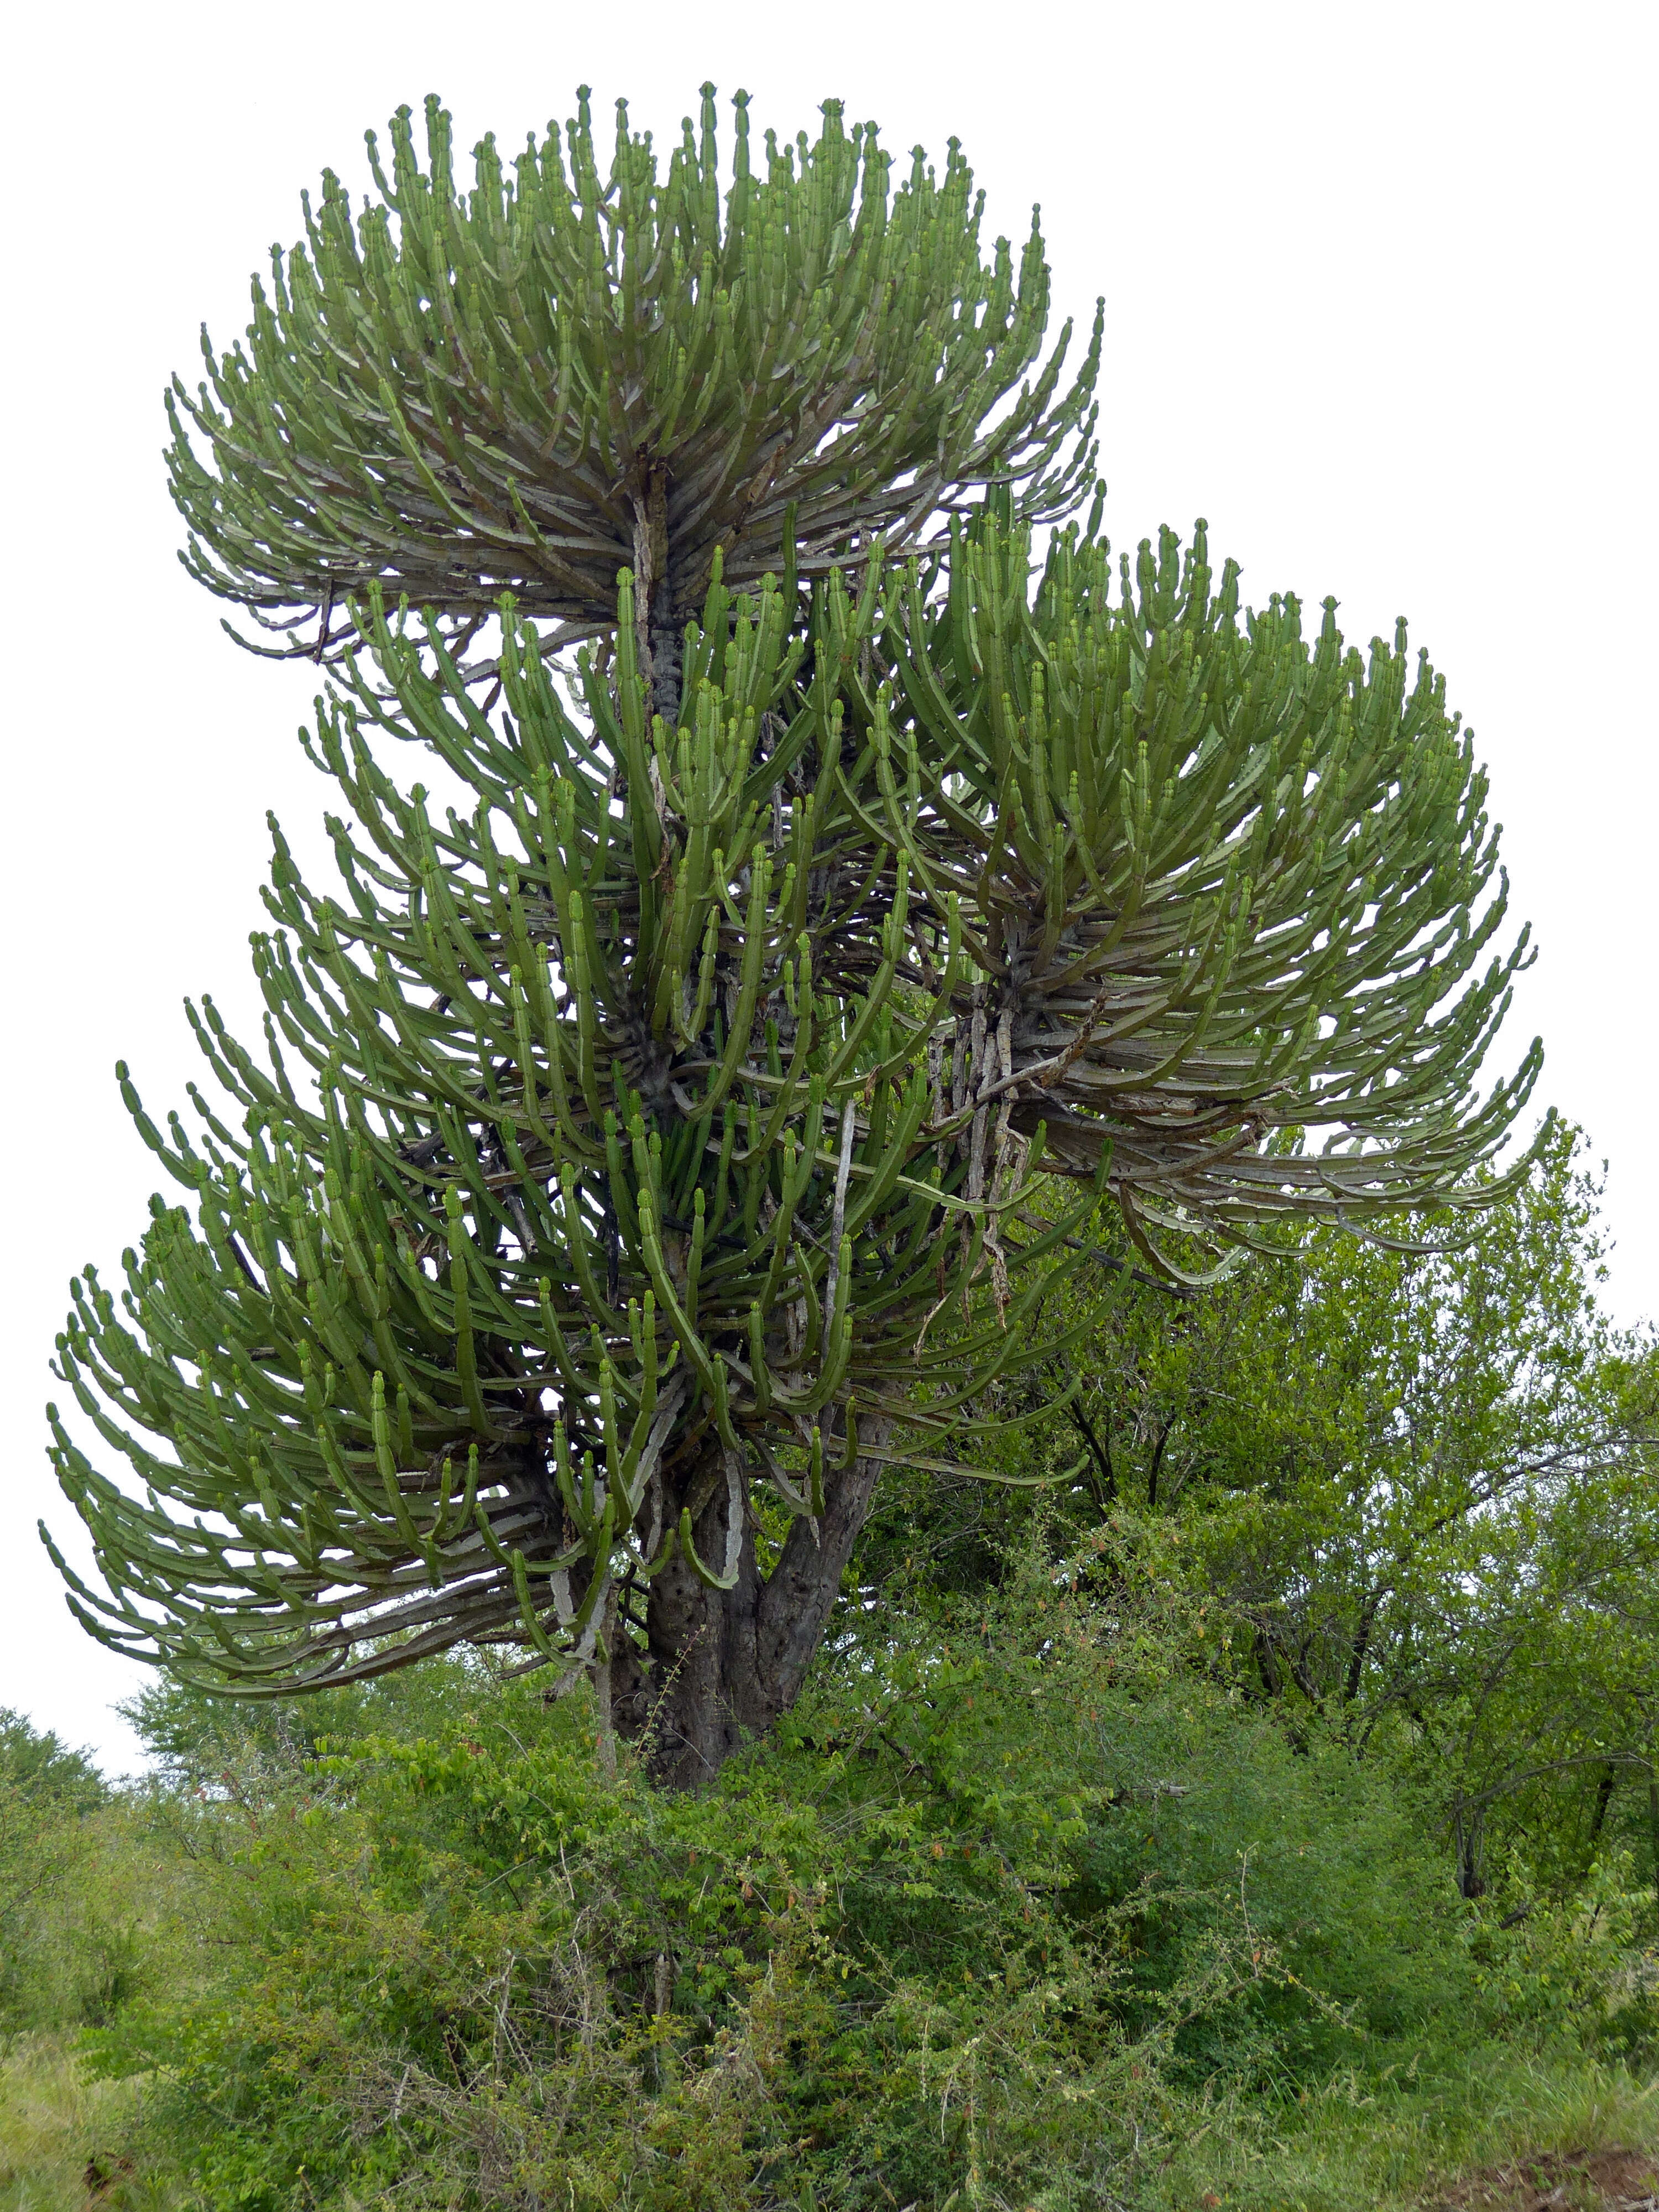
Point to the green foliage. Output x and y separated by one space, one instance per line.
60 2131
1084 1868
855 1019
725 1270
73 1907
1174 826
1416 1485
463 1961
38 1769
1011 1903
200 1741
1478 2129
647 1154
352 1347
562 373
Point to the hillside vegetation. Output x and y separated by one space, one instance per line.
1262 1814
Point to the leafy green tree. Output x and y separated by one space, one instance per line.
1416 1484
41 1768
706 1113
1537 1664
66 1943
1345 1424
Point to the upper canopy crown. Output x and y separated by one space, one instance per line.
530 385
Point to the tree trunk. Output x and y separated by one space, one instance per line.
658 631
1468 1826
722 1665
1604 1789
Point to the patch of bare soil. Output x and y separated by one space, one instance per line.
1565 2181
104 2179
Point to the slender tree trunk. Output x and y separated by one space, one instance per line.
1360 1645
722 1665
1468 1826
659 633
668 653
1163 1436
1103 1477
1604 1789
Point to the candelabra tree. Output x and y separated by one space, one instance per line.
563 373
644 1153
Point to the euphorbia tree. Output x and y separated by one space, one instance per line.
642 1156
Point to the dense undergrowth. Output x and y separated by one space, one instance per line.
1034 1910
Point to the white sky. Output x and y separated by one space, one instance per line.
1380 300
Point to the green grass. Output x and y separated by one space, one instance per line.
1392 2146
52 2121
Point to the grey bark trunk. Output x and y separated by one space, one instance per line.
722 1665
659 633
